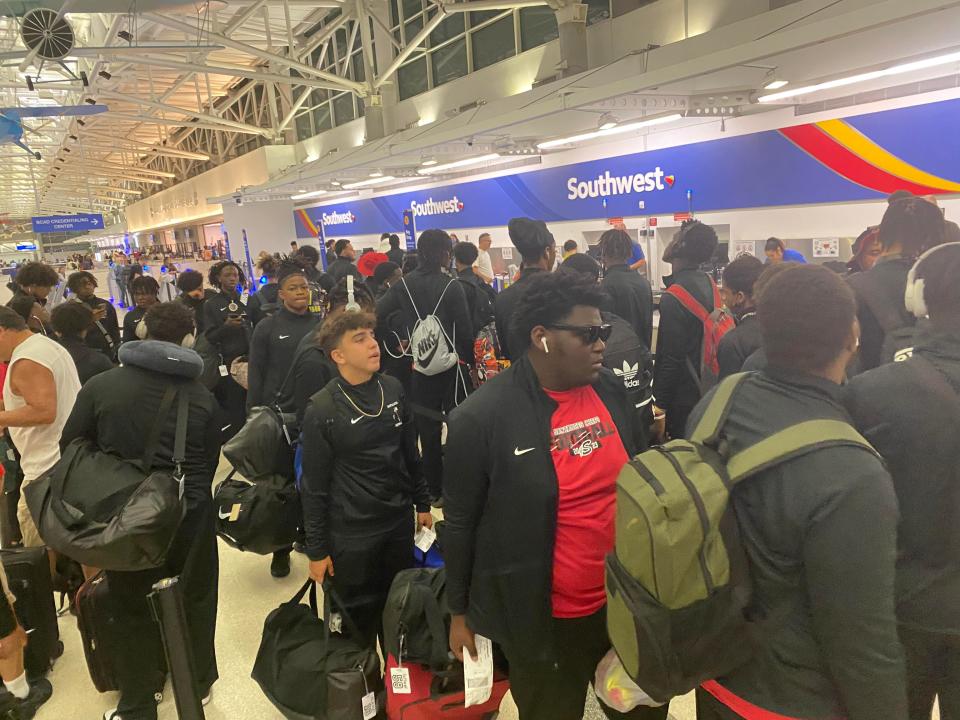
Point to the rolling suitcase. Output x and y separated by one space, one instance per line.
437 696
97 629
28 572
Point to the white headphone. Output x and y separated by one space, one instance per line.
189 340
913 298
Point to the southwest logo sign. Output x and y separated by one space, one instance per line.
608 185
437 207
336 218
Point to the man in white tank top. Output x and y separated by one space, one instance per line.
38 395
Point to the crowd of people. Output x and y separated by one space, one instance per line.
853 559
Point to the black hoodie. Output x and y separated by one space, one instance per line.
272 352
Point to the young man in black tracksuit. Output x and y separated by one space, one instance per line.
227 328
538 252
910 412
361 475
676 375
819 531
264 302
72 322
341 267
529 501
430 290
480 296
276 338
631 296
105 335
145 291
194 295
740 343
910 226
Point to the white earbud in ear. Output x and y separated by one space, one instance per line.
189 340
546 349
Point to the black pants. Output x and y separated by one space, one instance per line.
548 690
435 393
365 566
933 669
140 663
232 399
709 708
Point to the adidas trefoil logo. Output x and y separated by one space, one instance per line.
629 374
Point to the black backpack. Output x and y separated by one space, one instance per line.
480 302
899 327
630 360
416 619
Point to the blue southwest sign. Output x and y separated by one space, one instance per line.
859 158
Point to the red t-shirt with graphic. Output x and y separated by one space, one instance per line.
588 455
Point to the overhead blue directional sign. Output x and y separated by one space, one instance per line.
67 223
26 246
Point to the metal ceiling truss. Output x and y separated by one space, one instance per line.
189 93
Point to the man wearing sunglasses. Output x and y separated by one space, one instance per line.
532 459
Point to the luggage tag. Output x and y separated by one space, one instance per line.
368 705
336 623
223 371
424 538
478 674
400 676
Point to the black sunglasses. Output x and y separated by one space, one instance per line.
588 334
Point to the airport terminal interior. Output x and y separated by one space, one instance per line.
245 222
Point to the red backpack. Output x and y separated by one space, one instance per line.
716 324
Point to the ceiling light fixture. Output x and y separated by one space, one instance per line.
368 183
376 174
458 164
776 84
608 122
105 75
307 195
124 35
618 130
90 101
430 162
932 62
336 183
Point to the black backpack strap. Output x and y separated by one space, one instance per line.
153 439
180 434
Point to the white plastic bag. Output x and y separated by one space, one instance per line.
616 689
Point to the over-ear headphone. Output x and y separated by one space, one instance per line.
189 340
913 298
352 304
141 331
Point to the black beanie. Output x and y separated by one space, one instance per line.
530 237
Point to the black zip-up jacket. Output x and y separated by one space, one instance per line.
913 422
679 346
480 298
272 352
500 504
819 533
266 295
426 287
130 322
890 275
109 327
361 474
231 341
116 409
395 255
503 310
631 298
337 271
739 344
89 362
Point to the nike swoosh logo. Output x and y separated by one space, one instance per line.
356 420
425 361
518 452
284 337
224 516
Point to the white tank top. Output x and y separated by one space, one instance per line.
40 446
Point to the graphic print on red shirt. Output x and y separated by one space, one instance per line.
588 455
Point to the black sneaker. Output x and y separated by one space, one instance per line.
280 565
40 692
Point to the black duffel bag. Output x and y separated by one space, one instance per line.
107 512
264 445
261 516
309 673
416 617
